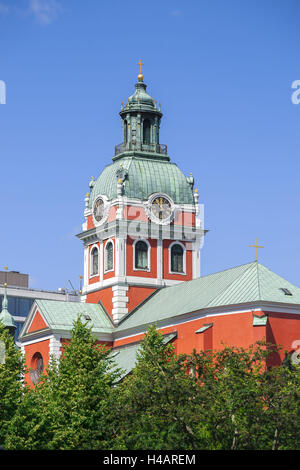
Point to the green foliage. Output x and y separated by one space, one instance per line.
153 408
11 372
226 399
66 409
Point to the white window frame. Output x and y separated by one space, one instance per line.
110 240
91 261
148 269
177 242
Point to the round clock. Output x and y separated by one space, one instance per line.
98 209
161 208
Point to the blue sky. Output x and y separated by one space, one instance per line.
223 72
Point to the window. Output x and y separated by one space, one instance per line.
286 291
141 255
94 261
37 365
146 131
109 256
177 259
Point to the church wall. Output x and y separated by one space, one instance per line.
89 222
184 218
283 329
130 260
37 323
41 347
135 213
136 295
104 295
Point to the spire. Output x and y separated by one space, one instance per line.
140 76
141 120
5 316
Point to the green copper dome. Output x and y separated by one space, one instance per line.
141 162
143 177
141 100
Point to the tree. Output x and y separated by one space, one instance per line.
229 380
155 406
11 373
67 409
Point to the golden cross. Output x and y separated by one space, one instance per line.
140 63
256 246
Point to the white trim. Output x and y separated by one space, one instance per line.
101 261
196 263
54 346
38 340
92 247
110 240
130 280
148 269
177 242
106 207
151 216
85 265
159 262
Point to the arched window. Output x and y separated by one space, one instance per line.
37 367
94 261
177 259
109 256
141 255
146 131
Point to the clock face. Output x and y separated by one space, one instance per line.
98 209
161 208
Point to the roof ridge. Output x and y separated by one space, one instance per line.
221 292
258 279
272 272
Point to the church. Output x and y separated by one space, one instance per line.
142 233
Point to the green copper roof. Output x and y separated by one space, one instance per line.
243 284
60 315
145 176
125 356
140 101
5 316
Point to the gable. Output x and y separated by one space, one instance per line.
38 323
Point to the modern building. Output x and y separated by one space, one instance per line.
141 251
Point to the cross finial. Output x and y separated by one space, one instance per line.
256 246
140 76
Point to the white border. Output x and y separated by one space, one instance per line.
152 217
105 210
90 258
177 242
105 259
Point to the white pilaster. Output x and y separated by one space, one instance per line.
119 301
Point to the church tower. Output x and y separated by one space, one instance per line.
142 229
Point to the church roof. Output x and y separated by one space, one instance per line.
125 357
248 283
60 315
243 284
145 176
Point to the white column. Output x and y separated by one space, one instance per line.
159 248
101 261
85 266
119 301
54 347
